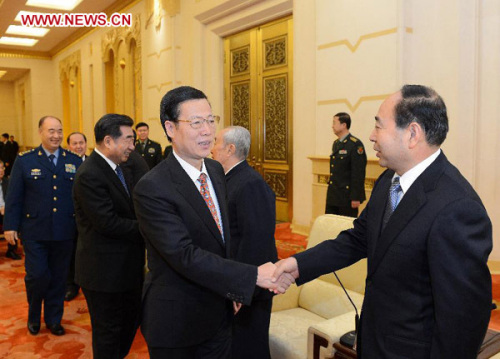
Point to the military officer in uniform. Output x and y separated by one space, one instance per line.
346 187
39 209
149 150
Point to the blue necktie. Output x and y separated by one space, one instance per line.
51 159
395 192
119 172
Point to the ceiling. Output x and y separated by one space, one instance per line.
57 38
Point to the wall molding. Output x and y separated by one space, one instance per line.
353 107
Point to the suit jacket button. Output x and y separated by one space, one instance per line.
55 187
28 215
54 176
55 210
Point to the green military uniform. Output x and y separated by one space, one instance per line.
347 176
150 151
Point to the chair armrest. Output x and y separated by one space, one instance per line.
288 300
321 336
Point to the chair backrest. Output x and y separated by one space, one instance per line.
329 226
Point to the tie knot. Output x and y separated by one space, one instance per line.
395 186
52 156
203 178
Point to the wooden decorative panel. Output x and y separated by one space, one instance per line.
275 118
275 52
240 105
240 61
278 182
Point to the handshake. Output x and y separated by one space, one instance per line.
279 276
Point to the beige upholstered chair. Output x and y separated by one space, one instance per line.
310 318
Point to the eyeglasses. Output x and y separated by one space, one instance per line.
197 121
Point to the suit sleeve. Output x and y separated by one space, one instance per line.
92 195
358 173
460 241
349 247
15 199
158 154
163 226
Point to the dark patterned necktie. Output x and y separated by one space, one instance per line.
51 159
393 200
119 172
205 193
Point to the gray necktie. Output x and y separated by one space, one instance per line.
393 200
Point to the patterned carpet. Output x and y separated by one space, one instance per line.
17 343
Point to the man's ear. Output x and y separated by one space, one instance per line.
169 127
416 134
231 149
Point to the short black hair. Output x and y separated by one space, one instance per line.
109 125
5 135
344 118
42 120
424 106
141 124
76 133
169 106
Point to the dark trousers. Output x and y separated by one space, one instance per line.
251 331
46 264
217 347
115 319
70 282
347 211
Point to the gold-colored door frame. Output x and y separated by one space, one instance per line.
258 96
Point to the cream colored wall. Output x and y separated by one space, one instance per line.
40 95
8 114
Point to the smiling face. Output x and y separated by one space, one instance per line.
119 149
142 133
77 144
389 140
192 145
51 134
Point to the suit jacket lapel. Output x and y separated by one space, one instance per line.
109 173
409 206
188 190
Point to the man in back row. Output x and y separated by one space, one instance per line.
346 187
252 221
187 309
426 236
147 148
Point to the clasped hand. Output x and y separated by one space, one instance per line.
278 277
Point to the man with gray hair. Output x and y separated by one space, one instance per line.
252 219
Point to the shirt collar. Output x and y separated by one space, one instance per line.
234 167
110 163
343 138
407 179
192 171
56 153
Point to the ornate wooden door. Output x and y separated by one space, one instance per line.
258 96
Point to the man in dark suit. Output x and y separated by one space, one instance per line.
8 154
40 209
427 238
15 145
148 149
4 181
110 249
77 143
182 213
346 187
252 222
